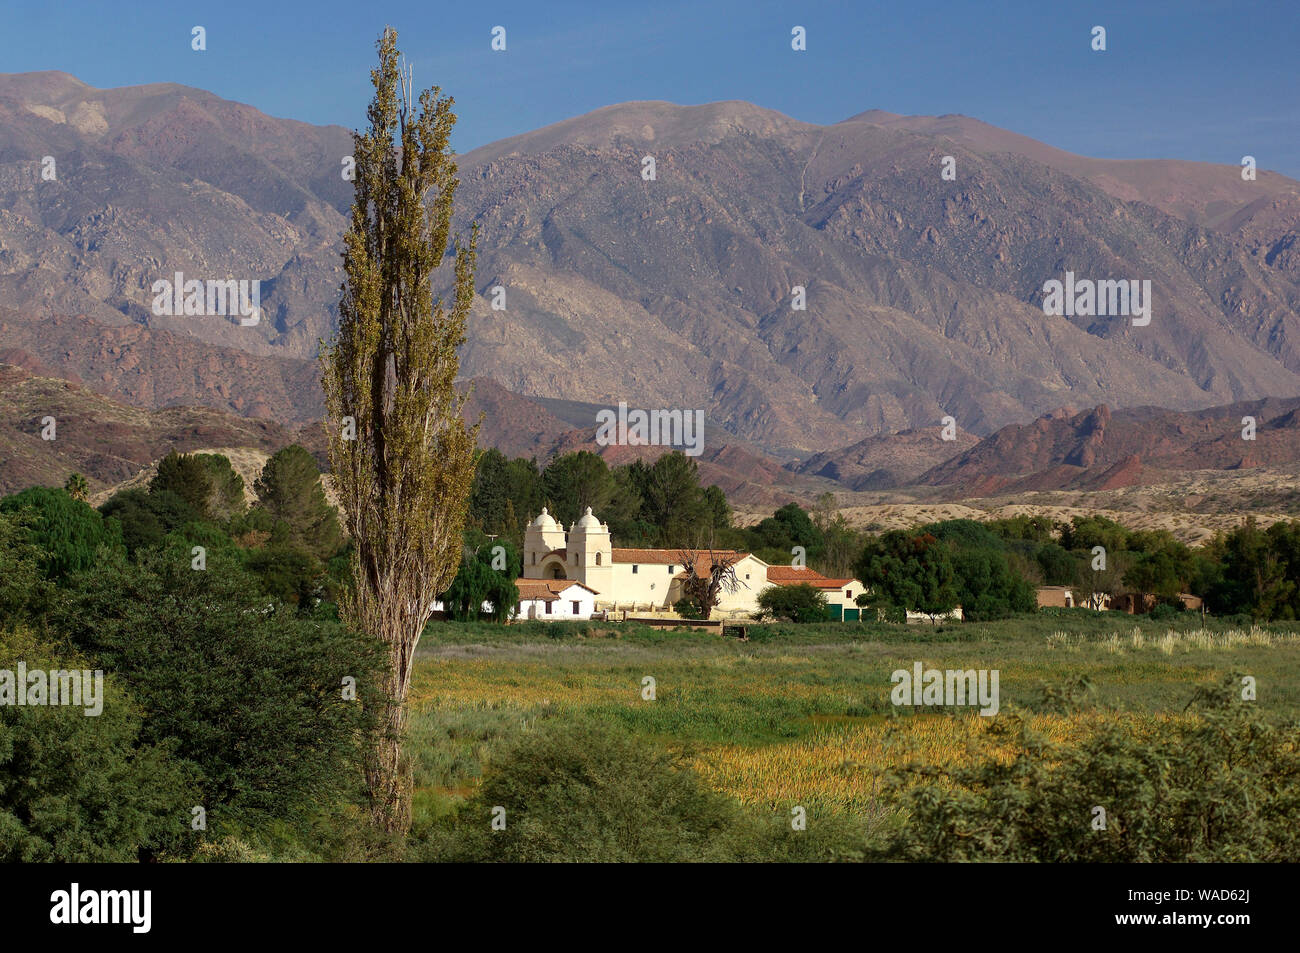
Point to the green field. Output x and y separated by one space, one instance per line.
801 715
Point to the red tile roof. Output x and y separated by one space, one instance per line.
793 575
670 557
548 590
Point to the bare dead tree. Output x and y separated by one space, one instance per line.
704 585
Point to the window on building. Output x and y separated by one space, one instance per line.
534 559
575 606
670 570
848 593
549 606
598 559
634 568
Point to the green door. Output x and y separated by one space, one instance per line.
833 613
851 615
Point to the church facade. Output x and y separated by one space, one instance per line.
647 579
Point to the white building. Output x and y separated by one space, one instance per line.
651 579
554 599
840 594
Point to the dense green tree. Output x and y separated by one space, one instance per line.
717 508
1085 532
1059 567
906 571
226 500
185 475
290 574
505 492
627 521
1037 529
25 593
987 587
801 603
487 573
674 502
574 481
252 695
70 535
290 491
1261 571
77 789
775 537
146 518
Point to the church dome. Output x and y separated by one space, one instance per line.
544 522
588 522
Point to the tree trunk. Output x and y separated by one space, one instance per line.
389 775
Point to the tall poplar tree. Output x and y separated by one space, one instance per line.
400 453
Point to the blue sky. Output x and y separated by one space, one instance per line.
1194 80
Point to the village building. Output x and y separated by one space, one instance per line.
650 580
840 594
1064 597
554 599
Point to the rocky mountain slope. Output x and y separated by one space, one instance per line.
923 295
1101 449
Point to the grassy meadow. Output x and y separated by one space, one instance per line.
801 715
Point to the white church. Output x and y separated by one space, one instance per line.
605 577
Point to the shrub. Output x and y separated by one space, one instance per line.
83 789
802 603
586 793
251 694
69 533
1218 787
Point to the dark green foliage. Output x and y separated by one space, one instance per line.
251 695
801 603
585 793
477 582
70 535
1085 532
289 491
964 534
1224 788
986 586
186 476
505 493
147 518
288 574
717 508
778 534
80 789
904 571
226 499
574 481
25 593
1058 566
1037 529
674 501
687 609
1260 571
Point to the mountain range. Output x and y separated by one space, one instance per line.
923 295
